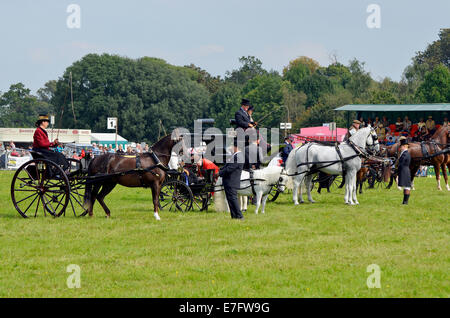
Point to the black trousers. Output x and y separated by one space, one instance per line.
233 203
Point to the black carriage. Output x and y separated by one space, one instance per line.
41 186
177 195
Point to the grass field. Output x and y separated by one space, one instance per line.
311 250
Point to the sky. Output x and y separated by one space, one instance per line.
38 43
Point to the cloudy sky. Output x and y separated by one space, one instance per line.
37 44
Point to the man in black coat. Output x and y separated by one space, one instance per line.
404 173
231 179
286 150
242 118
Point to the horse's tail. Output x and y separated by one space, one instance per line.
220 203
88 189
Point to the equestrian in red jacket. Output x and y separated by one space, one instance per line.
40 140
207 165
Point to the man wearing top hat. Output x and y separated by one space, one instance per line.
242 118
404 173
231 179
42 144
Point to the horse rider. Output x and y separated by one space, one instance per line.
231 179
42 144
242 118
286 150
404 173
353 129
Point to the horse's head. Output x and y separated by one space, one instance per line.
372 142
366 138
282 181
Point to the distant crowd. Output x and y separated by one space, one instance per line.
389 133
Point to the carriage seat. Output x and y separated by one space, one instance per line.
37 154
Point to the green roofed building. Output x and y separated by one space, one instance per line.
392 111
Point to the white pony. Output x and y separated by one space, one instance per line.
264 180
306 161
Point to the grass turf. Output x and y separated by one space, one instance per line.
311 250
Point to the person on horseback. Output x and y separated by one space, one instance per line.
42 144
404 173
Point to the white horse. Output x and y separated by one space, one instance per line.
306 161
264 180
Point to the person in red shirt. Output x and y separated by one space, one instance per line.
42 144
205 164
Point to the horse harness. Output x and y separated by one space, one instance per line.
342 160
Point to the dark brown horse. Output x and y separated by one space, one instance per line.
425 153
442 137
112 169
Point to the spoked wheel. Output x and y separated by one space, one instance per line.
175 196
273 194
201 201
38 186
77 183
337 182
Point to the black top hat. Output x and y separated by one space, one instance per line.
403 141
41 119
245 102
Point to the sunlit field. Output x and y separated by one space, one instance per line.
310 250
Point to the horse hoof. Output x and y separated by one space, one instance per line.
157 217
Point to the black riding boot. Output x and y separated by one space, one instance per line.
405 198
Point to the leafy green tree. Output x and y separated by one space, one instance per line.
264 92
224 103
360 81
294 100
211 83
140 92
18 108
251 67
436 86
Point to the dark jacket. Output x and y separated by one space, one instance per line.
231 171
286 151
404 174
242 119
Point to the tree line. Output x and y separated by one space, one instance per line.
143 91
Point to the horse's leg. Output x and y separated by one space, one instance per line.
244 203
295 189
355 200
437 170
308 180
258 200
347 189
263 203
106 189
156 190
94 192
444 172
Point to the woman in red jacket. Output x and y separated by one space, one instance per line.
42 144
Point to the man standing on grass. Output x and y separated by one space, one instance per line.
231 179
404 174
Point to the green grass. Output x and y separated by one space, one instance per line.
311 250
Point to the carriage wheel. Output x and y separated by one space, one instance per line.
336 182
40 185
201 201
273 194
77 181
175 196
